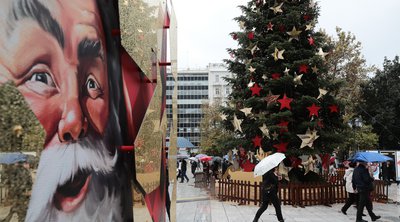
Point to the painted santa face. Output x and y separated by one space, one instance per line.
54 51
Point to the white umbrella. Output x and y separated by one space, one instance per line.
193 158
268 163
182 156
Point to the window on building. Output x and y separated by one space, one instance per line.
217 91
216 78
227 91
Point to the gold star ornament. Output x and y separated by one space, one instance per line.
286 71
264 130
277 9
308 138
322 93
297 79
223 116
241 25
278 54
246 111
251 83
310 26
321 53
237 123
294 34
254 49
315 69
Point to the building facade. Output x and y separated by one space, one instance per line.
218 89
195 88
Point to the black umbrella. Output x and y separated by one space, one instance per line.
217 159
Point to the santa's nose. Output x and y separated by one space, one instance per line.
73 124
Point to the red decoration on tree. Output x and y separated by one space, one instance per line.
255 90
283 125
281 147
250 35
303 68
333 109
234 36
296 161
282 28
320 124
271 98
257 141
285 102
242 151
270 27
311 40
325 160
247 166
276 75
306 17
313 109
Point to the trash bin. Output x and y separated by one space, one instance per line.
200 179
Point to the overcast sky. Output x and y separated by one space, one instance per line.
204 27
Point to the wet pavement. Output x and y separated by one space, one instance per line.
196 205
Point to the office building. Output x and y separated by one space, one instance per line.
195 88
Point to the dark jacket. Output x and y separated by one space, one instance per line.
270 182
184 166
362 181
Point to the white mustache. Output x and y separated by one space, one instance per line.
59 164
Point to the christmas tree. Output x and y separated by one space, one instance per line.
280 100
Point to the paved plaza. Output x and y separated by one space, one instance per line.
196 204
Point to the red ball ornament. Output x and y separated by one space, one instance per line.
234 36
276 75
281 147
303 68
257 141
250 35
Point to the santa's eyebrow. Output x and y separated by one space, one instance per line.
90 49
35 10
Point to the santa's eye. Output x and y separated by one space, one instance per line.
92 88
43 77
91 84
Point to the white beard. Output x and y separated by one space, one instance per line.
58 164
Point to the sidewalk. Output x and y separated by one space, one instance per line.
196 205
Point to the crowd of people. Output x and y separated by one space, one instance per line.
358 179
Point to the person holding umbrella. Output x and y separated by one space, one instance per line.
362 181
268 168
352 193
270 194
183 171
193 165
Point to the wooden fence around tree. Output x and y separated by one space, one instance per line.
296 194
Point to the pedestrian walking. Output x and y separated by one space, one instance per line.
183 171
270 194
178 168
352 193
363 183
206 170
193 165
